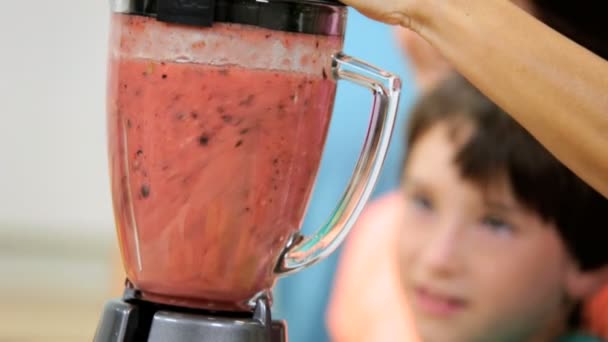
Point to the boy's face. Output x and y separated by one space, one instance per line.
475 264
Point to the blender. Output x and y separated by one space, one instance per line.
217 114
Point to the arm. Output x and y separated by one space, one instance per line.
553 87
366 302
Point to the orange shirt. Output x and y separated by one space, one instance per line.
597 314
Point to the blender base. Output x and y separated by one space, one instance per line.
128 320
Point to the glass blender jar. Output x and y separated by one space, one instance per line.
218 113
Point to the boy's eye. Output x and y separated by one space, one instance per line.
497 224
422 202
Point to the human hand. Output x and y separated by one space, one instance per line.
392 12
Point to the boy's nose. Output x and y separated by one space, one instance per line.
441 254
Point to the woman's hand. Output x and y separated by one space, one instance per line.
552 86
392 12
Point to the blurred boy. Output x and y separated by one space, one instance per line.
497 240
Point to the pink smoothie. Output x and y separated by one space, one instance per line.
211 166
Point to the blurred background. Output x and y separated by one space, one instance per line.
58 257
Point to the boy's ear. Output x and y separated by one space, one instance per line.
581 284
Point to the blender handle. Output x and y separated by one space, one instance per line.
305 251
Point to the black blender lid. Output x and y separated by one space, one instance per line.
303 16
330 2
